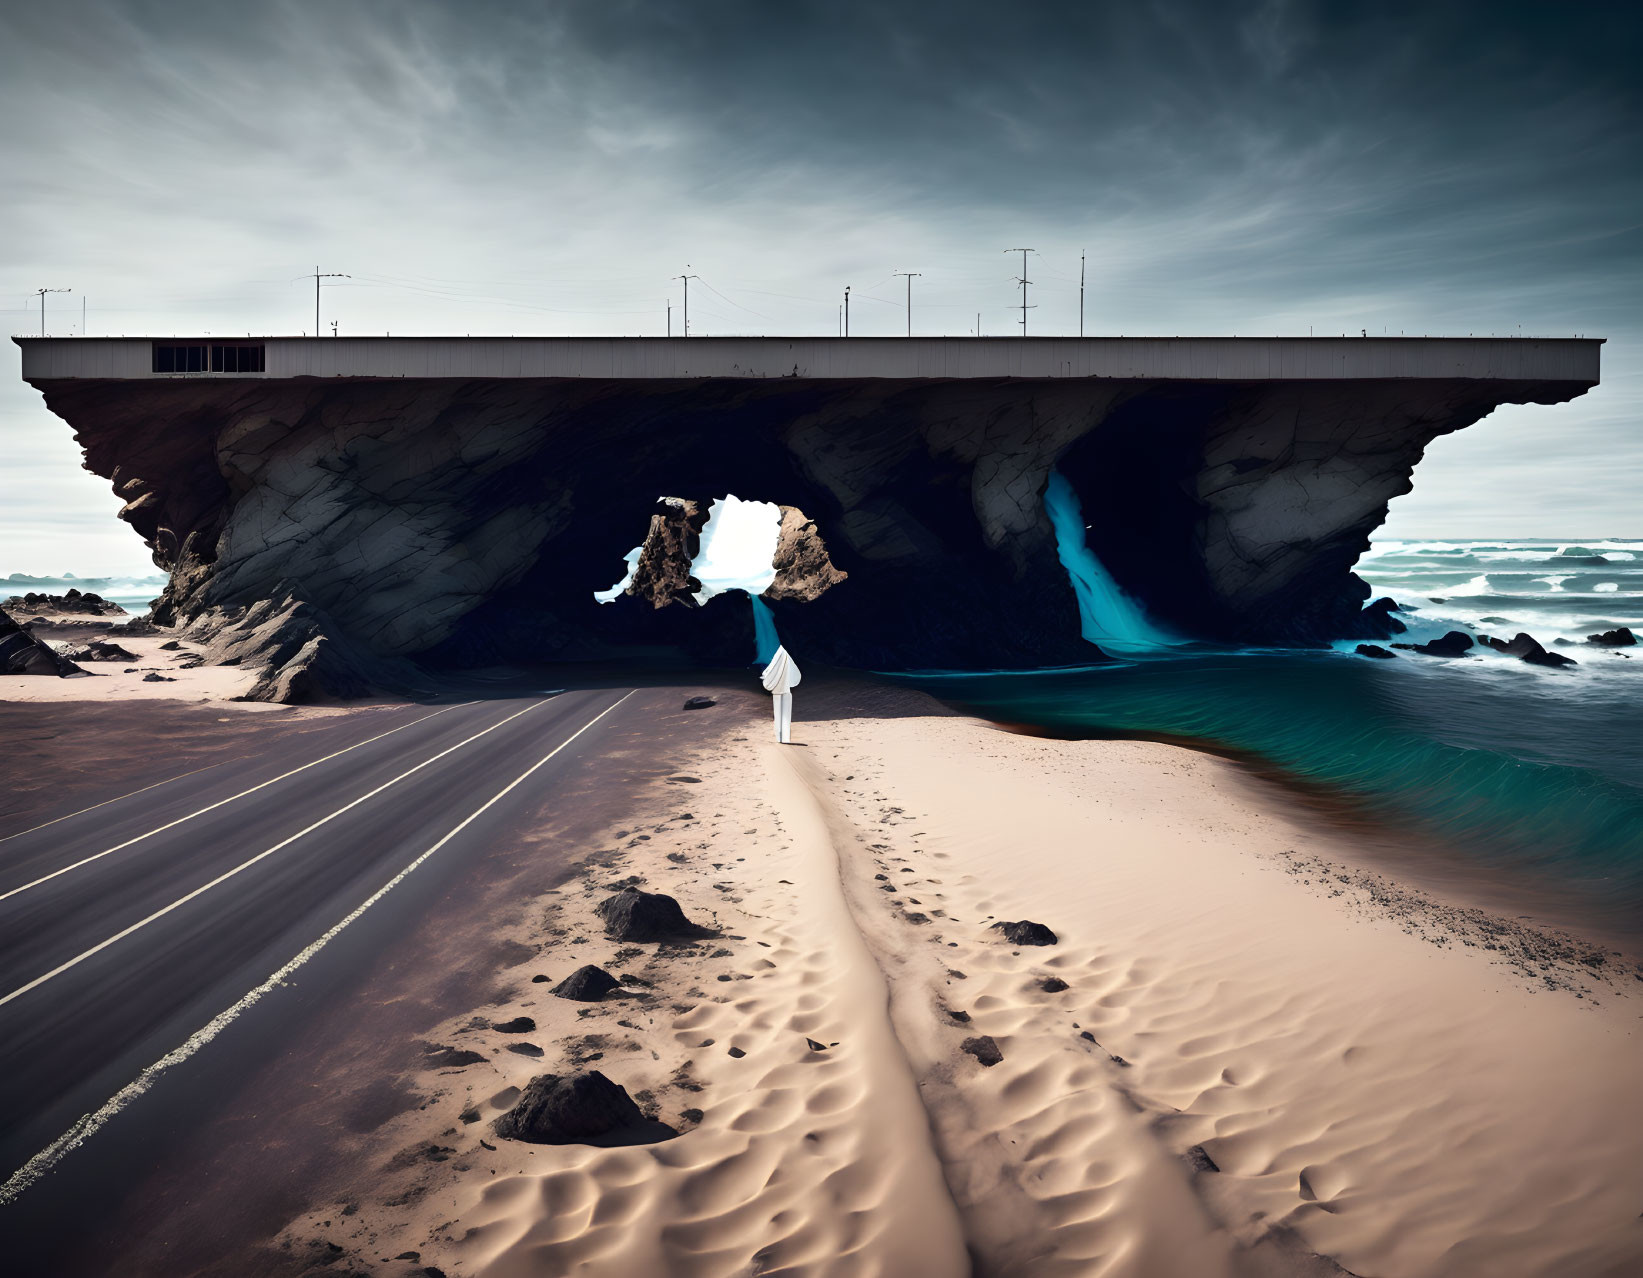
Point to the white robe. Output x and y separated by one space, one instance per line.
780 677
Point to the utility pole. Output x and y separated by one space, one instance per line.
333 275
847 310
1081 295
1023 281
42 292
670 317
911 276
687 277
82 314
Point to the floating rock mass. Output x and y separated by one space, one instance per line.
336 534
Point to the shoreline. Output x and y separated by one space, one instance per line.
1232 1062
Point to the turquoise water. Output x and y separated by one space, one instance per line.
1512 764
765 638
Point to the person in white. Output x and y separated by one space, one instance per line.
780 677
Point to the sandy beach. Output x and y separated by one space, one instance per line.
1249 1051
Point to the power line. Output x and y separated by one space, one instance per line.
331 275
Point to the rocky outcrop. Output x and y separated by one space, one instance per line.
1026 932
465 522
804 573
1619 638
662 575
1525 647
71 603
22 654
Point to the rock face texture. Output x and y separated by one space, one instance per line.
330 529
22 654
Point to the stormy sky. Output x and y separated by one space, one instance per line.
479 167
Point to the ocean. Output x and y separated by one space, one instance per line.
1509 765
134 594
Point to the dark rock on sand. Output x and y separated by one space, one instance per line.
814 1046
586 984
632 915
519 1025
736 1053
1453 644
1026 932
1201 1161
1620 638
525 1049
170 645
574 1109
158 678
450 1057
1053 985
699 703
22 654
1373 650
984 1049
99 650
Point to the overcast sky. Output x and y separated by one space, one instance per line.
485 167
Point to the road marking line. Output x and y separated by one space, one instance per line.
247 864
98 856
87 1125
117 798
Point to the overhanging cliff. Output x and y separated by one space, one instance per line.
468 520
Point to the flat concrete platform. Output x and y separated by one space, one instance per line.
1214 359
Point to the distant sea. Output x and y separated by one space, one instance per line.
131 593
1510 765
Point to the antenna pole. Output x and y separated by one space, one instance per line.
847 310
687 277
332 275
1081 295
911 276
1023 281
42 292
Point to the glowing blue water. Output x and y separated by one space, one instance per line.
765 638
1108 617
1514 764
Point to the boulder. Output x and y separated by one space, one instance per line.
1453 644
1374 650
1618 638
699 703
632 915
1026 932
441 1057
158 678
99 650
984 1049
518 1025
571 1109
586 984
22 654
1526 647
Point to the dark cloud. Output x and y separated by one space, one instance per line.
502 167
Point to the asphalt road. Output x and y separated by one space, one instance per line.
137 934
